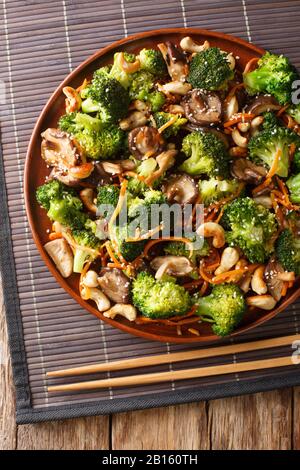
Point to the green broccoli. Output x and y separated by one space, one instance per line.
293 183
224 307
52 190
270 120
273 75
215 189
108 98
294 112
210 70
159 299
129 250
74 122
264 146
207 155
141 85
67 211
108 195
142 205
117 71
152 61
288 251
136 187
106 144
296 161
156 100
251 227
161 118
180 249
86 241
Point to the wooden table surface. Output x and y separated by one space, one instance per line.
262 421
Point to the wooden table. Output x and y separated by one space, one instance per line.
262 421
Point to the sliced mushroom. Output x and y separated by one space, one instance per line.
60 252
144 142
261 104
59 149
181 189
245 170
175 61
178 266
115 285
87 197
202 107
133 120
274 283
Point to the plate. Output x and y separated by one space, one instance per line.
36 170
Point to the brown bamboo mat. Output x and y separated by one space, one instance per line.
40 43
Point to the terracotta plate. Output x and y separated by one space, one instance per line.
36 170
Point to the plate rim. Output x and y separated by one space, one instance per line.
34 136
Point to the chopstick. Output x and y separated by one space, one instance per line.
175 357
145 379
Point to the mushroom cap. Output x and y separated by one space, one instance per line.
244 170
58 149
145 140
115 285
181 189
60 252
262 104
202 107
178 266
274 284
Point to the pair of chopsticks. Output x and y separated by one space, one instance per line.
144 379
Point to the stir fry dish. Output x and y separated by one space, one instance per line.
177 124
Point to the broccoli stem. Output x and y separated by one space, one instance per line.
80 258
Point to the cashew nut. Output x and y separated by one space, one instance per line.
265 201
231 61
90 279
81 171
212 229
265 302
92 293
239 139
286 276
73 101
229 258
135 119
112 168
188 45
255 123
87 197
243 126
237 152
126 310
176 88
231 107
245 282
258 284
175 109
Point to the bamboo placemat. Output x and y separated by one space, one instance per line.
40 43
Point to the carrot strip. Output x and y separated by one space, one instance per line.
85 296
204 276
203 288
55 235
241 117
112 255
275 164
251 64
261 186
282 110
167 124
284 289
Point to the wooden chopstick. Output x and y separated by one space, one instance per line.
176 357
145 379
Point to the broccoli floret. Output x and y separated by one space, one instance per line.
108 195
296 161
67 211
251 227
294 112
225 307
106 144
210 70
117 71
293 183
162 118
74 122
207 155
141 205
141 85
107 97
264 146
87 241
270 120
129 250
274 75
288 251
181 249
51 191
136 187
156 100
152 61
159 299
215 189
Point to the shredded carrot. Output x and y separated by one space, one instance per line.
261 186
213 261
284 289
282 110
277 210
167 124
194 331
220 215
55 235
241 117
151 243
179 331
275 165
112 255
204 275
82 86
204 288
251 64
229 276
292 151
